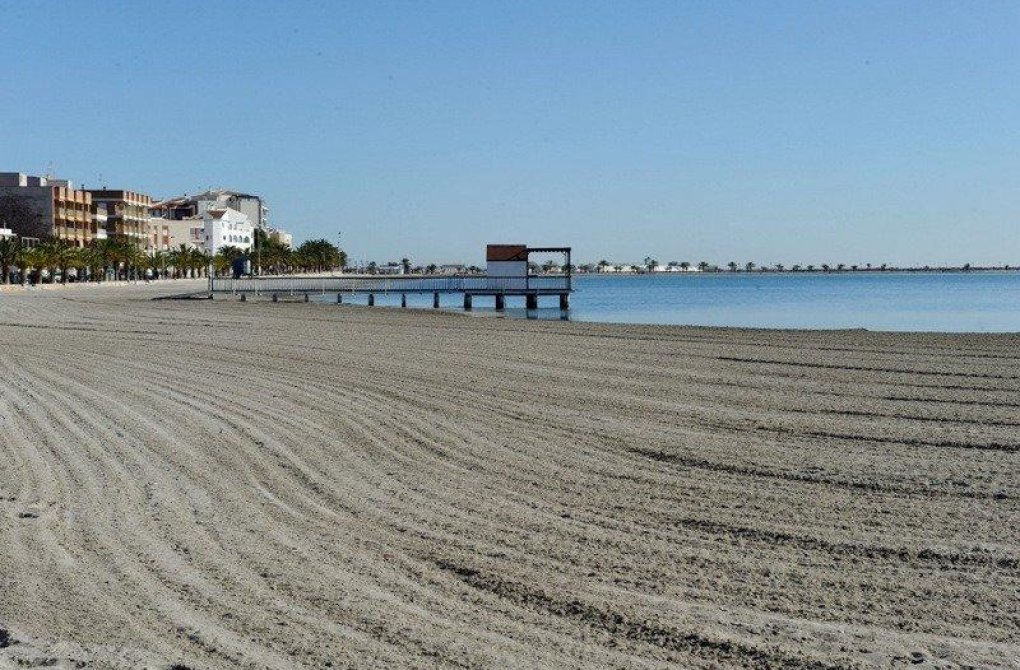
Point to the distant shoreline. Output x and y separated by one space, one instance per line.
930 270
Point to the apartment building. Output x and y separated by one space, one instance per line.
252 206
126 212
41 207
168 234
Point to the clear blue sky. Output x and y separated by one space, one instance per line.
773 132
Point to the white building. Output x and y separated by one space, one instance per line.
252 206
227 227
390 269
5 233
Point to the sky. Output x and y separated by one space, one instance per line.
780 132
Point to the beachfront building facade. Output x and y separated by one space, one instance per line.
186 206
126 213
227 228
166 234
41 207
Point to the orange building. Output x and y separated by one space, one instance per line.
40 207
127 214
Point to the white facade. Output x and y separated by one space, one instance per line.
227 228
5 233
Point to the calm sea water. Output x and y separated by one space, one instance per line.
955 302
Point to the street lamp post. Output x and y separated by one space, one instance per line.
339 261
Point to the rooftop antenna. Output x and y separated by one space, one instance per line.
102 184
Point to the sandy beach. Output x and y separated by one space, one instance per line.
216 484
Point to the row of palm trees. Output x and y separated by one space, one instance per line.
104 259
116 259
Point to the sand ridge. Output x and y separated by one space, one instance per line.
223 484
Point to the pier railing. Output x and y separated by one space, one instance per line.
473 284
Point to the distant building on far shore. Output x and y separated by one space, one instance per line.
47 207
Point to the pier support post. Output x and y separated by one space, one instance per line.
243 297
435 301
276 298
500 302
403 300
531 301
339 298
306 297
564 301
467 302
371 299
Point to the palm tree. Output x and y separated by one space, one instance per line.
133 259
225 257
276 256
685 266
780 267
749 266
406 264
91 262
10 254
431 268
65 256
33 259
200 261
703 265
158 262
825 267
182 260
602 265
47 256
732 266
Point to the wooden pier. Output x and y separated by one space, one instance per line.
507 275
531 288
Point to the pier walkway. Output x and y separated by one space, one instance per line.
499 288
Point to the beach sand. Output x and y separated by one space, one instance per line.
216 484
